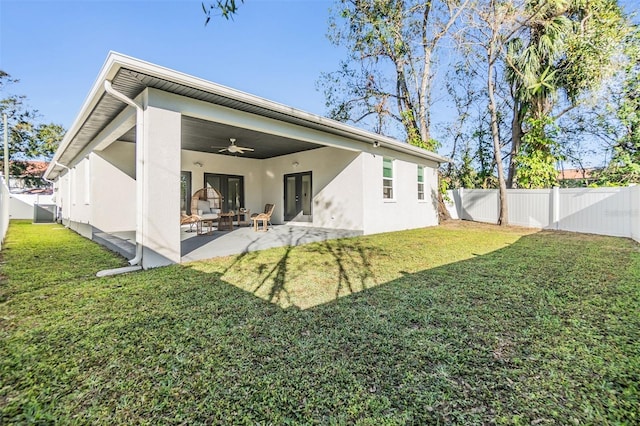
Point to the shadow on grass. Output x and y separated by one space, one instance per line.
516 336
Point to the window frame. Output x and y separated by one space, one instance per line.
388 182
224 189
420 179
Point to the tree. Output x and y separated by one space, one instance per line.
28 138
227 9
624 167
566 49
488 26
387 79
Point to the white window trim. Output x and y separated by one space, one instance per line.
424 195
393 180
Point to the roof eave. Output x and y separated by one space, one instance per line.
116 61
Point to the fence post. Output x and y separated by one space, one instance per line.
461 207
555 205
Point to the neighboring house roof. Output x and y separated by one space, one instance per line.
36 191
575 174
35 168
131 76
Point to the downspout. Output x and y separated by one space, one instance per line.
137 260
68 189
52 187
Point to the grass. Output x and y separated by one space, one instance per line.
459 324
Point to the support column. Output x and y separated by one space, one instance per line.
158 176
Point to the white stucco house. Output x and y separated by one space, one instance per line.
147 137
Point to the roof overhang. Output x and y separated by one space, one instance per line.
132 76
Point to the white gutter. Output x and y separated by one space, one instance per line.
137 260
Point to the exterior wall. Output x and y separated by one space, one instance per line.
404 211
72 197
113 188
80 192
61 196
251 169
336 182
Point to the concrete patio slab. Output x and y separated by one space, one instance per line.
245 239
226 243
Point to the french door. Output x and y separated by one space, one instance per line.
185 192
230 187
297 197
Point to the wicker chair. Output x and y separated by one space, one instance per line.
190 220
264 217
213 199
198 214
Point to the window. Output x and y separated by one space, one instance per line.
387 178
420 182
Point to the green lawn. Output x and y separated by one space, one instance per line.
459 324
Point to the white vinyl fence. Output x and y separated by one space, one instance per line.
606 211
5 197
21 205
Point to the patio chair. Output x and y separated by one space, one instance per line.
186 219
264 217
206 203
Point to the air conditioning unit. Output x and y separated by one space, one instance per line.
44 213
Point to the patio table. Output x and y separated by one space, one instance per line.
225 221
200 225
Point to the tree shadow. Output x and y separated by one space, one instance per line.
277 279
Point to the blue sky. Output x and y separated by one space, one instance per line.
273 49
276 49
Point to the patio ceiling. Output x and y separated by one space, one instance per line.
207 136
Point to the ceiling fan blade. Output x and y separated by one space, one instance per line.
243 149
223 149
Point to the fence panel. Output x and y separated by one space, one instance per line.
530 207
21 205
635 213
604 211
5 196
480 205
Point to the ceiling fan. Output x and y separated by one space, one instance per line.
235 149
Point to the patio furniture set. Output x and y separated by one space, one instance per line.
207 205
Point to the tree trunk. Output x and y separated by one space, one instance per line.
495 136
516 141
